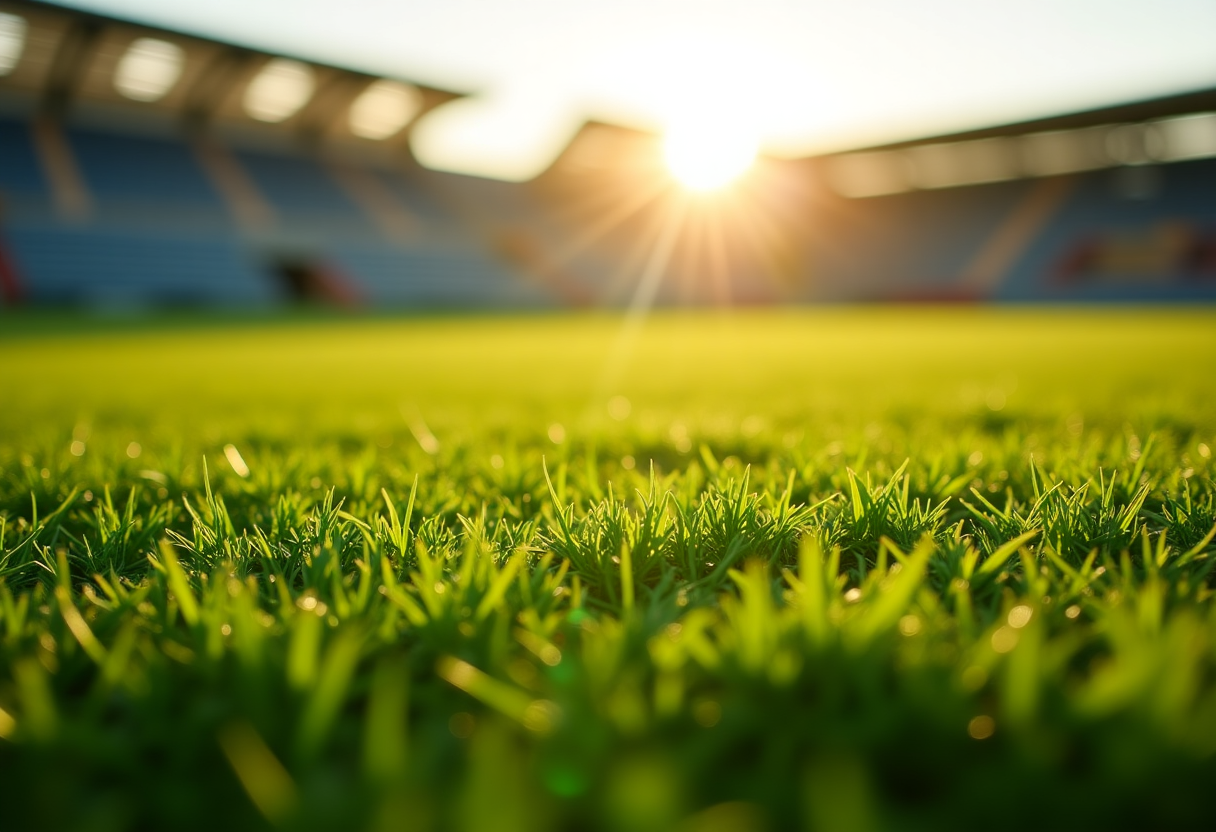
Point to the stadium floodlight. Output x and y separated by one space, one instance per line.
12 41
383 109
279 90
1189 137
950 164
149 69
871 173
1056 152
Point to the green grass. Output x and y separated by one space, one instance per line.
836 570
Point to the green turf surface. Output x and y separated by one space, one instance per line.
837 570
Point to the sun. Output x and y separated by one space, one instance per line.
707 157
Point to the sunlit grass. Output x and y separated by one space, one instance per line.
837 570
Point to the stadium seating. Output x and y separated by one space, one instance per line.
99 266
415 199
301 192
156 229
130 171
906 246
434 278
1112 208
20 171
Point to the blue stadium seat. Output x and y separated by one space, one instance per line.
63 264
134 170
392 276
909 243
20 169
1183 195
301 191
415 198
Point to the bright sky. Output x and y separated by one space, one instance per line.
801 76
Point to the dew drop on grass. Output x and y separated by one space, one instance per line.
236 461
1004 639
541 716
1019 616
981 727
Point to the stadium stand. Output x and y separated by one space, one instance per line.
112 268
21 175
459 278
895 247
300 191
117 191
1150 235
125 170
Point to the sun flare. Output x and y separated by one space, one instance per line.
708 157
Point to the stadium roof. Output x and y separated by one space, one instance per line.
807 78
58 58
54 60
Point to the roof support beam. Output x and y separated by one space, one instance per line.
72 58
226 69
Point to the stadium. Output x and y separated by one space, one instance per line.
117 191
664 481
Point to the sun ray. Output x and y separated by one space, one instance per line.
719 262
618 286
643 298
609 221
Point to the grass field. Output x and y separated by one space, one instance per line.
836 570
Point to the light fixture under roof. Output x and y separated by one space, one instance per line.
1051 153
149 69
279 90
12 41
383 109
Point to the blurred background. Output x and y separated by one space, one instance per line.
534 155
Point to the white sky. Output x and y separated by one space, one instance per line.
803 75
